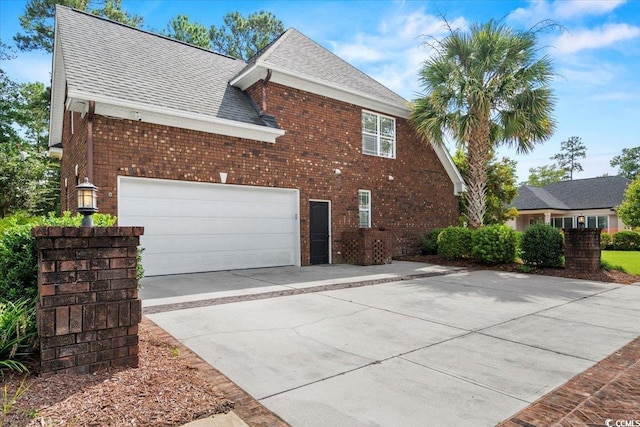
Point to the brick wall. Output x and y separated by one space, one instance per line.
74 143
582 249
88 305
321 135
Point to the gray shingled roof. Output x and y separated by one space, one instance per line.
590 193
106 58
295 52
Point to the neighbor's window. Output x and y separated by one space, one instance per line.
597 222
378 135
564 222
364 202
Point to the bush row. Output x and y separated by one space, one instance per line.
620 241
540 245
18 256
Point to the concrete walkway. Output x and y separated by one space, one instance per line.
468 348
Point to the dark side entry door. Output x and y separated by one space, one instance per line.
319 232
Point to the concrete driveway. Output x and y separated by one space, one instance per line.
467 348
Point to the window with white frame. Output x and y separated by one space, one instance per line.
364 206
378 135
597 222
562 222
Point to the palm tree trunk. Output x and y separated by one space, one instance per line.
478 149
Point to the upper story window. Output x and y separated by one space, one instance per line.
378 135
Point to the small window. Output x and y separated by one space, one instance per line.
597 222
562 222
378 135
364 206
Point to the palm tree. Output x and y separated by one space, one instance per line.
485 87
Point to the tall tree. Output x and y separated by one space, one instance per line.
242 37
180 28
571 150
485 87
501 188
37 19
629 210
628 162
543 175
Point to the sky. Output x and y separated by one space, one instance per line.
595 51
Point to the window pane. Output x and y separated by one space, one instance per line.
364 219
364 199
369 144
386 147
568 222
369 123
591 222
387 127
556 222
603 222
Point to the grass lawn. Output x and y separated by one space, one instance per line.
629 260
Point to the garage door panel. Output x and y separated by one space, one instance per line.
195 227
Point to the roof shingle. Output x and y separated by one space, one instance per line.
590 193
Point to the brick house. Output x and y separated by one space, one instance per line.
231 164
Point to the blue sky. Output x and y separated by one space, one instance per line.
596 56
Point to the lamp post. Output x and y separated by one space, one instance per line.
87 201
581 221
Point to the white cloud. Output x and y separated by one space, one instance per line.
539 10
604 36
394 52
574 8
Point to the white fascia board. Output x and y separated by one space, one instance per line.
454 174
124 109
58 79
298 81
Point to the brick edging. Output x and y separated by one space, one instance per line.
608 390
246 407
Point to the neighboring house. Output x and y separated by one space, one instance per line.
231 164
560 203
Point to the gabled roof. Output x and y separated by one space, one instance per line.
591 193
299 62
127 67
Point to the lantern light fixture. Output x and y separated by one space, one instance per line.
87 201
581 221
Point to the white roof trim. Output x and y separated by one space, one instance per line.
299 81
459 185
125 109
58 79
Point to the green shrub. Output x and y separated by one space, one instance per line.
18 255
18 264
18 218
494 244
430 241
18 334
455 243
606 265
626 241
542 246
605 241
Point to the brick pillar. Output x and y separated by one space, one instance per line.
582 249
367 246
88 305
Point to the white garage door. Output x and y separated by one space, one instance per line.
194 227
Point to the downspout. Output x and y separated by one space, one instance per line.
92 110
264 92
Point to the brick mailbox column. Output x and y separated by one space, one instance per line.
582 249
88 305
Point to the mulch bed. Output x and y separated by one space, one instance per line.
599 276
171 387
